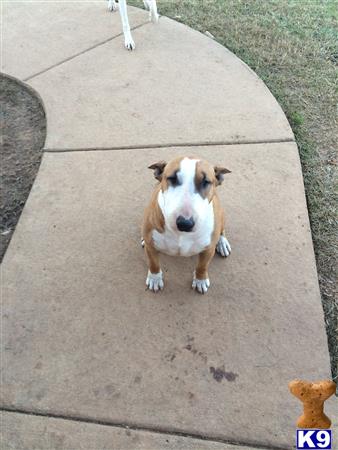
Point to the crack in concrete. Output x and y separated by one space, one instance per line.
170 144
80 53
136 427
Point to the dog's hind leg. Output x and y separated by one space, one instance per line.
128 40
112 5
223 247
151 6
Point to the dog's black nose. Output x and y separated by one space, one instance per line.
185 224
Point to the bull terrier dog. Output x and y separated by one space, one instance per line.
150 5
185 218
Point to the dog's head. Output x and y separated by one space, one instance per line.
187 187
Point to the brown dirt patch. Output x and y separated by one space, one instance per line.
23 133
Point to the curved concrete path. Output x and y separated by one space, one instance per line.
92 360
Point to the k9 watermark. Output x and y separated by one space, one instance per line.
315 439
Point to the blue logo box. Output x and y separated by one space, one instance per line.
314 439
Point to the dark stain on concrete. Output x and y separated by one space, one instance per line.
56 440
110 388
96 392
40 394
203 356
170 356
219 373
108 391
191 348
38 365
137 379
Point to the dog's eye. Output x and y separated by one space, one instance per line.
205 183
173 180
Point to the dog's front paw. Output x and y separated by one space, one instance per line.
154 281
201 286
112 6
129 42
223 246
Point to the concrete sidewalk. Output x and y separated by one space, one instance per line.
90 359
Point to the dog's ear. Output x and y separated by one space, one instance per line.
219 174
158 169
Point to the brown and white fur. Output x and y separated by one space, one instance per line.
150 5
184 217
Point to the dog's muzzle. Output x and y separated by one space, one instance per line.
185 224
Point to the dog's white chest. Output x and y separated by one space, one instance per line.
174 242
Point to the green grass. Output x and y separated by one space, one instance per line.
293 46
